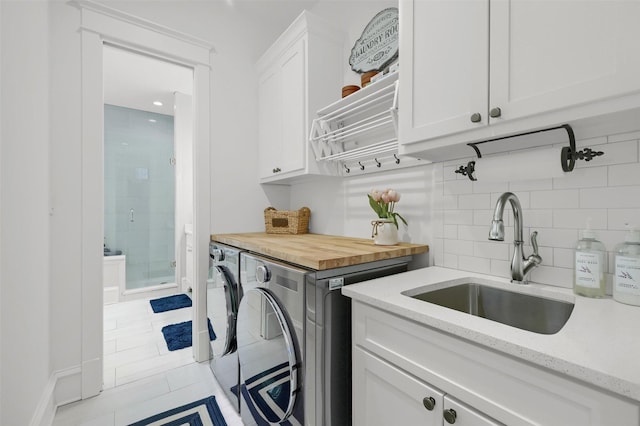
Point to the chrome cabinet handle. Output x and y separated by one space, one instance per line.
476 117
131 215
450 415
495 112
428 402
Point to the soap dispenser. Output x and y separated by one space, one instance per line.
626 282
588 273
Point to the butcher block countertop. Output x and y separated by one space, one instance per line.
317 251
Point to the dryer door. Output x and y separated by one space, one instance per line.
268 361
222 310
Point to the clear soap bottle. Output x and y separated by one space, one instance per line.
626 281
589 267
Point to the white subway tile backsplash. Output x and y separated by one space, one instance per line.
563 258
614 153
482 217
618 218
586 177
623 137
563 238
531 185
591 142
458 217
474 201
557 199
458 247
474 264
473 232
488 187
491 250
605 189
627 197
538 218
560 277
450 261
450 232
624 174
501 268
577 218
457 187
449 202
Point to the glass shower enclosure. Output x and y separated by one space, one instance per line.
139 191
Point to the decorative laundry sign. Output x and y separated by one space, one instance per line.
377 47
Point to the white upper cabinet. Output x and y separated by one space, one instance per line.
478 69
298 74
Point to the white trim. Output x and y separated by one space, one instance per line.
149 288
109 12
101 24
51 399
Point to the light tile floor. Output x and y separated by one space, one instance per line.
141 376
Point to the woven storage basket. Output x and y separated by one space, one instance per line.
287 222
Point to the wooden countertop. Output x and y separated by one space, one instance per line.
317 251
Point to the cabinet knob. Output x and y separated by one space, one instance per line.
495 112
428 402
450 415
476 117
263 274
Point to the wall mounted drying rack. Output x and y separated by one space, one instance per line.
568 155
358 134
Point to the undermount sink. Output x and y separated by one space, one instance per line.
524 311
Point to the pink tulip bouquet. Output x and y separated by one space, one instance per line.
383 203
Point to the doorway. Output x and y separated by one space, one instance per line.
147 129
102 26
147 192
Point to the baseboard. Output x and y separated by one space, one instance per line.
59 390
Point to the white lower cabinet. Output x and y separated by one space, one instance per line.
386 395
401 368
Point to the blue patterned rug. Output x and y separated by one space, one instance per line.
273 383
178 336
169 303
203 412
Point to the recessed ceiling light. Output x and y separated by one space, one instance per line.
152 120
157 103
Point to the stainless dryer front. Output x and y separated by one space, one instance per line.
270 339
223 299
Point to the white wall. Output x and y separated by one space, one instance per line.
237 200
24 203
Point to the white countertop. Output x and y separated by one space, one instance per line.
599 344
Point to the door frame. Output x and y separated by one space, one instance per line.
101 24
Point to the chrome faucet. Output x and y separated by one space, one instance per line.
520 267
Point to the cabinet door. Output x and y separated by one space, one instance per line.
269 122
385 395
294 114
548 55
444 46
460 414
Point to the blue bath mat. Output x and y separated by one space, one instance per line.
194 414
170 303
178 336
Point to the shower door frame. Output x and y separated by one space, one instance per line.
99 25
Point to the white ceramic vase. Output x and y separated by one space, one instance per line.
384 232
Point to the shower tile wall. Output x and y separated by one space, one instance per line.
139 176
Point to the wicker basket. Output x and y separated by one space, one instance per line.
287 222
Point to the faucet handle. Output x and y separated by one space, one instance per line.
534 242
